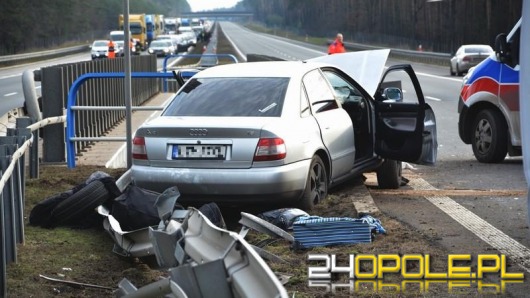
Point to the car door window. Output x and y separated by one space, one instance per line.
320 95
344 91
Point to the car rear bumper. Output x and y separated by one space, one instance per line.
261 184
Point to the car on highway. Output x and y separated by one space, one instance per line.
178 40
99 49
161 47
468 56
189 35
286 131
120 50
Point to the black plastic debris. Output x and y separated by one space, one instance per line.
283 218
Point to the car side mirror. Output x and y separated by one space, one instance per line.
392 94
502 50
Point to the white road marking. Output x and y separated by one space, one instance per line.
496 238
11 76
459 80
11 94
433 98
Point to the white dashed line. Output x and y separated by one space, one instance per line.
10 94
432 98
481 228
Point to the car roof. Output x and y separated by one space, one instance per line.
259 69
476 46
366 67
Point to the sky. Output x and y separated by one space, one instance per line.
199 5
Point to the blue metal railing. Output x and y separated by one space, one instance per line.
71 107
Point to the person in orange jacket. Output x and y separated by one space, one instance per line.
337 46
111 46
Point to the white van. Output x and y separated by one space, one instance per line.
488 106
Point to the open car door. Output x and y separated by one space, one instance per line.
405 126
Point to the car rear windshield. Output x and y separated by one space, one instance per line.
160 43
479 50
230 97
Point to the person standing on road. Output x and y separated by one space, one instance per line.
337 46
110 44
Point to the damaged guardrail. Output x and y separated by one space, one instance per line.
202 258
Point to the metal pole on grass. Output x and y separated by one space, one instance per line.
127 82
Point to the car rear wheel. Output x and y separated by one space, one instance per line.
490 137
458 72
451 71
316 186
389 174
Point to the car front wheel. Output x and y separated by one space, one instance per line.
316 186
389 174
490 137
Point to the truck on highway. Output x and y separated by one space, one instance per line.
150 27
159 24
138 28
171 25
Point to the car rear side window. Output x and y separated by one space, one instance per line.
230 97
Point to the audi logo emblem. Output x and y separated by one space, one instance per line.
194 132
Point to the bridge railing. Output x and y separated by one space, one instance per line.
56 82
74 136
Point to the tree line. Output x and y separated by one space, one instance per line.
437 25
29 25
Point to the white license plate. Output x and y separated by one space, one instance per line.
199 152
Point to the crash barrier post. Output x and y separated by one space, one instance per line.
215 57
56 82
74 134
12 187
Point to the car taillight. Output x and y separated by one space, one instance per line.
270 149
138 148
466 58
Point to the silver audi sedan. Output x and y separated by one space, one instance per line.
286 131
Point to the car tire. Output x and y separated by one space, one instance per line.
389 174
80 203
489 138
451 70
316 186
458 72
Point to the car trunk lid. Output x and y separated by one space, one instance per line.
223 142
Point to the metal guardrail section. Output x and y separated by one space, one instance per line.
416 56
28 57
71 130
12 187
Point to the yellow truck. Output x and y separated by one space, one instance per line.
138 28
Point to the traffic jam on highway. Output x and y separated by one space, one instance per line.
290 137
